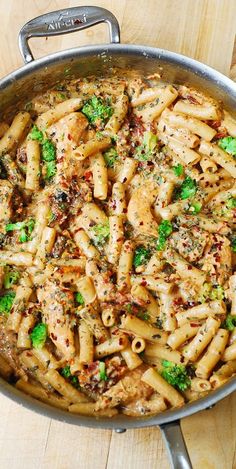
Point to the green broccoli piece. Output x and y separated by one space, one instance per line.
97 109
6 302
195 207
233 245
25 228
79 298
110 156
229 322
101 233
10 278
51 169
66 373
48 151
102 372
231 202
146 151
187 189
164 230
178 170
39 335
141 256
217 293
228 144
176 375
211 292
36 134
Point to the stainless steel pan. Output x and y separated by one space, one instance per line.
37 75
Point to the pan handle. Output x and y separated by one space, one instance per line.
175 444
64 22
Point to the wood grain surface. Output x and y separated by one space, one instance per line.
205 30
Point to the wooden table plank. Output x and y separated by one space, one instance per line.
205 30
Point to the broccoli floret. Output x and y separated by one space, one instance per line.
178 170
39 335
146 151
101 233
66 373
164 230
6 302
48 151
97 109
176 375
79 298
195 207
25 228
228 144
10 278
141 256
233 245
110 156
51 169
36 134
187 189
229 323
211 292
231 202
102 372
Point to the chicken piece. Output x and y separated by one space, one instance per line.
217 260
141 407
139 210
67 133
126 390
56 305
6 191
94 382
190 243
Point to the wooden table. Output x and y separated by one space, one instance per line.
205 30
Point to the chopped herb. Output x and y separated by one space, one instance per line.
102 371
187 189
129 308
25 228
97 109
146 151
6 302
10 278
178 170
101 233
143 315
110 156
164 230
141 256
79 298
39 335
229 322
228 144
176 375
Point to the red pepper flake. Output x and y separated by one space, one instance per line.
88 175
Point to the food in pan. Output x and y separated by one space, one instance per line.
117 218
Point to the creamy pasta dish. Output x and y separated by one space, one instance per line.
117 246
